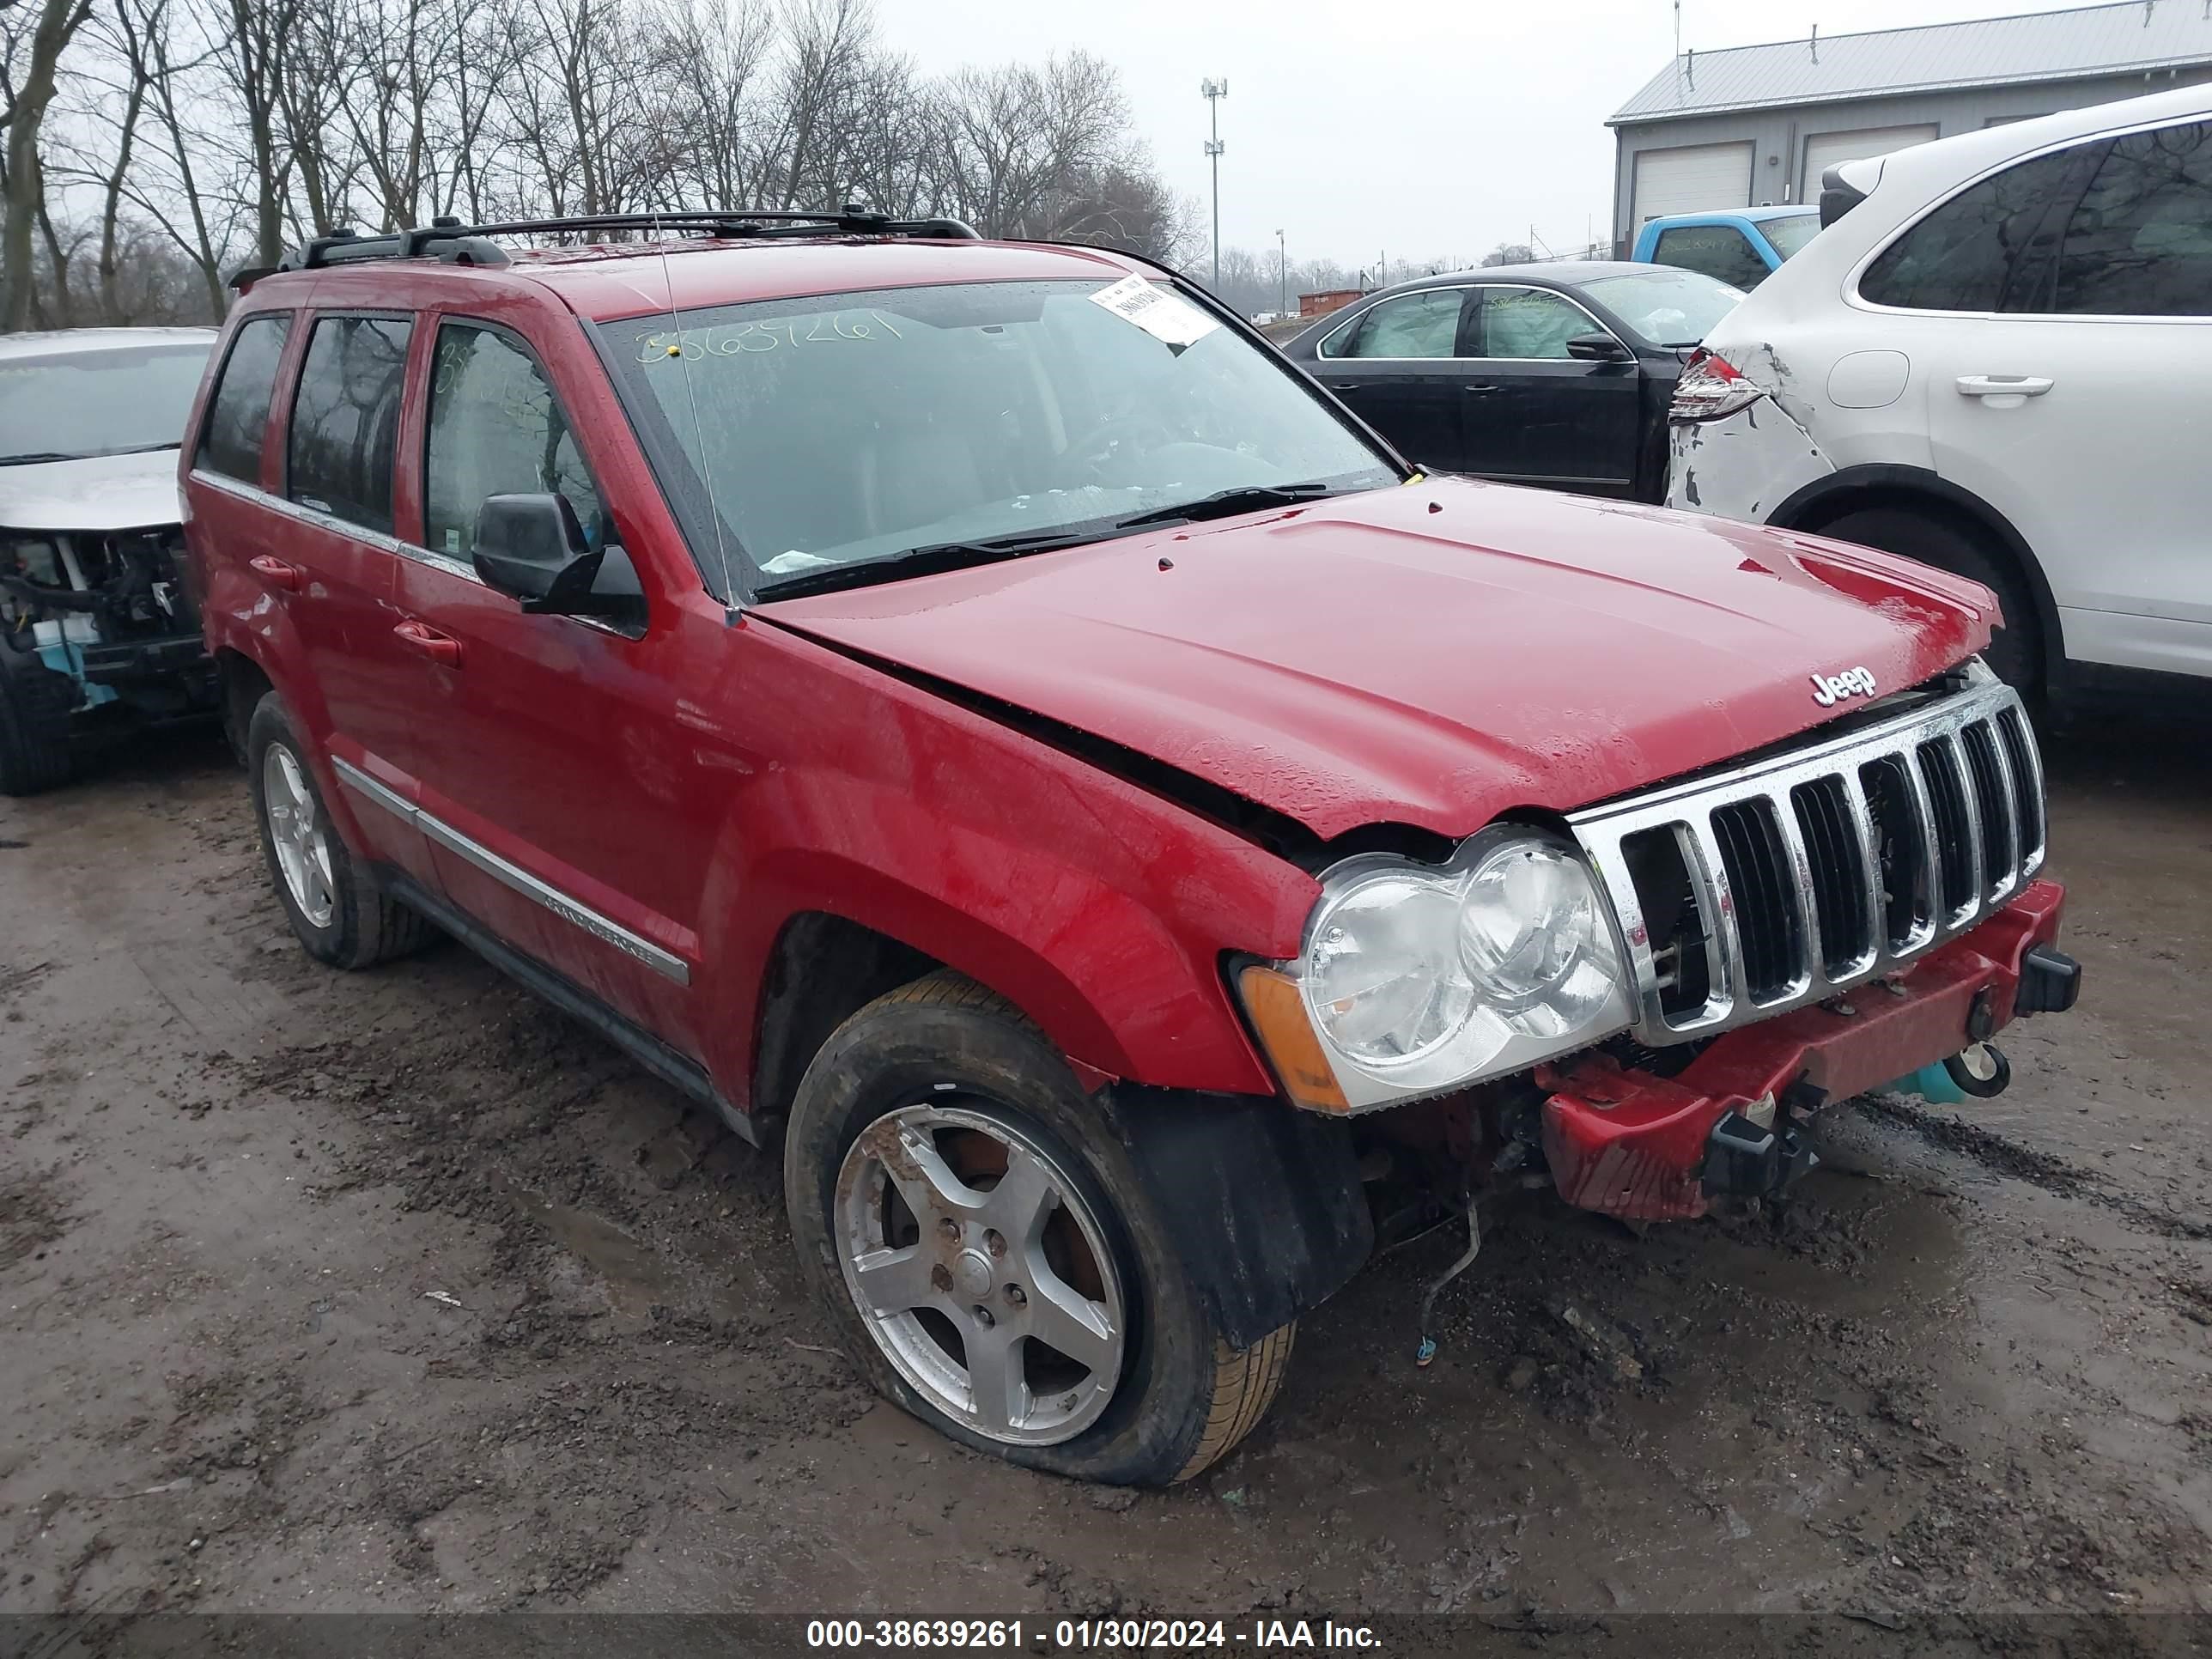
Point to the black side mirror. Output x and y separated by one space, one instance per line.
533 547
1592 349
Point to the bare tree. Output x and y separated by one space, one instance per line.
577 110
820 86
1127 205
720 60
255 61
195 136
54 23
166 49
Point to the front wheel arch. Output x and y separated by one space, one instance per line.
1916 489
1186 1390
244 684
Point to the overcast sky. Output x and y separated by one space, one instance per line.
1444 127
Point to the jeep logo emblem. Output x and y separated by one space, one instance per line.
1829 689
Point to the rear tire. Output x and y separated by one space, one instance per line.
337 912
35 752
2016 651
944 1067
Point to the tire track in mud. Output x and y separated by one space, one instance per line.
620 1335
32 1217
2003 1156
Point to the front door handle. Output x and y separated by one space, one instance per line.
276 572
1346 385
2002 385
421 637
1482 391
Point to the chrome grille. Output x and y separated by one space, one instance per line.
1800 874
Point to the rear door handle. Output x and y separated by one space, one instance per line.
1480 390
1346 385
421 637
276 572
2003 385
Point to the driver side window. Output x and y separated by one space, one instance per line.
1530 325
495 430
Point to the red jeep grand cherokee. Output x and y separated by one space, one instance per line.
983 723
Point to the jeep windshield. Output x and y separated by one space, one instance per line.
108 400
874 435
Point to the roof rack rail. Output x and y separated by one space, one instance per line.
448 239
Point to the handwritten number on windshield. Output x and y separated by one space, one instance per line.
750 339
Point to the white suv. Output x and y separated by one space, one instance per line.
1996 358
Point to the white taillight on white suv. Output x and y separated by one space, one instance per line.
1710 386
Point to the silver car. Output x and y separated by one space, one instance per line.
96 629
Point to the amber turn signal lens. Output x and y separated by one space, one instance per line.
1279 1015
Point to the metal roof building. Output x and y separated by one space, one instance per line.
1755 124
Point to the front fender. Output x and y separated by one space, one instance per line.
1100 909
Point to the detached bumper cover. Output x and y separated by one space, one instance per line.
1638 1145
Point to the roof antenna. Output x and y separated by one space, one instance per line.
1816 43
679 348
1690 58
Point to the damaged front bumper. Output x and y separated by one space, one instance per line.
1632 1144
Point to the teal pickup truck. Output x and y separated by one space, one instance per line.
1736 246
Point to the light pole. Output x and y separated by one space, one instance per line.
1215 91
1282 277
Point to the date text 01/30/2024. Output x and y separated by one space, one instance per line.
1066 1634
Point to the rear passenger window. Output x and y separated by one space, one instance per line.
2140 243
237 414
1983 250
1421 325
346 419
1721 251
495 430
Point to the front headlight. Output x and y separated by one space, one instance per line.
1417 979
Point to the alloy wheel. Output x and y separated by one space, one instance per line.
299 835
980 1271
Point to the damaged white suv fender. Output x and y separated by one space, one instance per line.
1993 360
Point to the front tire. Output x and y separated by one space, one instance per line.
35 753
2016 652
337 912
989 1257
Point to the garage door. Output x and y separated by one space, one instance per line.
1824 149
1691 178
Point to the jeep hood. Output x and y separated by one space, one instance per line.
99 493
1433 654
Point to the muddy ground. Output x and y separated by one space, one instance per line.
398 1290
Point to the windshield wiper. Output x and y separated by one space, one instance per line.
1225 503
36 457
919 562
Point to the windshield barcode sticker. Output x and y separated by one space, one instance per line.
1161 313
